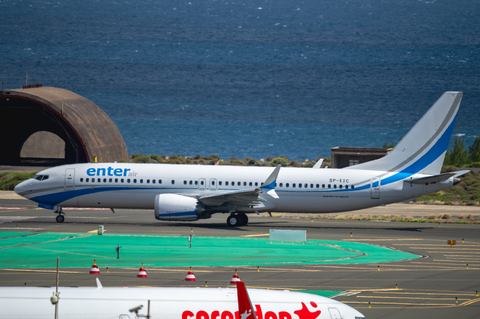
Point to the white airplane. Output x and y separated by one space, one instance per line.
192 192
169 303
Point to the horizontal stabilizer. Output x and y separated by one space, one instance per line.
436 178
430 179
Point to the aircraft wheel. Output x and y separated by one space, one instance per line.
233 220
60 219
243 219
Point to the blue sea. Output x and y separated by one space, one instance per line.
251 78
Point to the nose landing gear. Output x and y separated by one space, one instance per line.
237 219
61 215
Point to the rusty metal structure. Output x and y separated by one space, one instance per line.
63 117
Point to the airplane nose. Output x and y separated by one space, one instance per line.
20 187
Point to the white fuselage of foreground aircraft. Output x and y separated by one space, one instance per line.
166 303
191 192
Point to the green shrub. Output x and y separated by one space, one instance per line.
8 181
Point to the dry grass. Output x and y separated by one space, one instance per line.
461 216
431 216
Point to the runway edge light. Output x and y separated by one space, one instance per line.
142 273
94 270
190 276
235 279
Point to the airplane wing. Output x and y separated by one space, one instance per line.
249 197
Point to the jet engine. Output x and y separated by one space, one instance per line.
176 207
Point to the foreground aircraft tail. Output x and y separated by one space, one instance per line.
245 306
423 149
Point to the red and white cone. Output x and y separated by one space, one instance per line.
190 276
142 273
235 279
94 270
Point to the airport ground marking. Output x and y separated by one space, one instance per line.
71 253
257 235
413 298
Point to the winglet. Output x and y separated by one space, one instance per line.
269 185
318 163
99 284
245 307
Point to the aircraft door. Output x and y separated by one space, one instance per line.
213 184
201 184
334 313
375 188
70 179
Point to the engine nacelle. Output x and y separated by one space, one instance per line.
175 207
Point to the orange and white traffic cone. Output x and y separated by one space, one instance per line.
94 270
190 276
142 273
235 279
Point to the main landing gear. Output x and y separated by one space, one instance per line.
237 219
61 215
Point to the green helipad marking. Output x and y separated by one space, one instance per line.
321 292
79 250
5 234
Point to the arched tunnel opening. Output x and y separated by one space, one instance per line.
51 126
24 119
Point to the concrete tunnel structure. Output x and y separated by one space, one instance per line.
52 126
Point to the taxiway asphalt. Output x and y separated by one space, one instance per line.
437 285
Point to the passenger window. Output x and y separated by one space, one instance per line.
104 180
184 182
81 179
159 181
128 180
148 181
281 184
335 186
116 180
340 186
135 180
190 182
311 185
213 182
93 180
220 183
256 183
346 186
196 182
352 187
153 181
318 185
323 185
87 180
173 181
238 184
201 183
293 185
299 185
121 180
329 186
244 183
250 184
110 180
141 180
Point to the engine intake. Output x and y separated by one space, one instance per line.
176 207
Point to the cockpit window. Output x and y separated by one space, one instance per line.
40 177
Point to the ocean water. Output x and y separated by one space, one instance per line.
251 78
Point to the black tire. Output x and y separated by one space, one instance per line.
60 219
243 219
233 221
